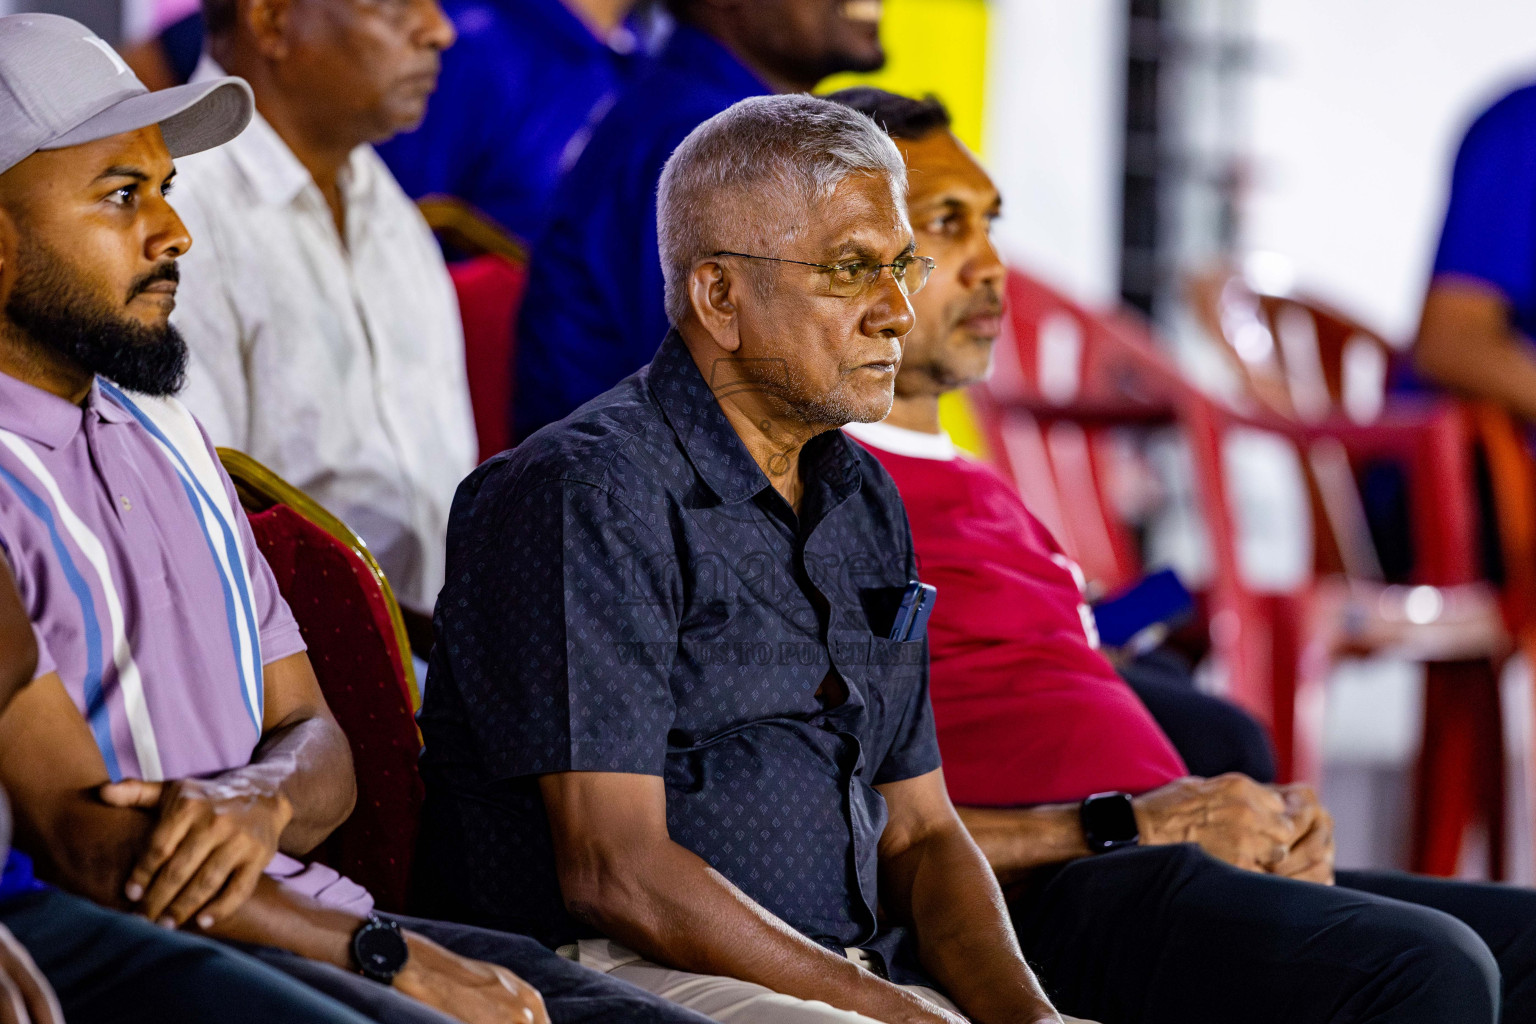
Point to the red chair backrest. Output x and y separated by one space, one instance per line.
1067 381
342 614
1305 360
1058 367
490 289
1298 355
1057 352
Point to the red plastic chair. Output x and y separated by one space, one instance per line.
1326 373
1067 382
490 291
489 281
356 641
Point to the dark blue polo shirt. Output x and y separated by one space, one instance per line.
1490 220
517 98
628 593
593 312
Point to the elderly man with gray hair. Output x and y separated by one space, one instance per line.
677 722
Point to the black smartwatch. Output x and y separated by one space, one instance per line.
1109 822
378 949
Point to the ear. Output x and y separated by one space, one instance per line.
267 21
713 292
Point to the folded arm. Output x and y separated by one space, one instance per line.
303 754
1275 829
53 770
16 639
213 836
623 874
1016 840
1467 343
50 765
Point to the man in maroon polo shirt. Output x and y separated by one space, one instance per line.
1143 895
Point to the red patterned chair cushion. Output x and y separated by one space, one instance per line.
490 289
345 621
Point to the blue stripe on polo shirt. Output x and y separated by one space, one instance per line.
95 697
248 661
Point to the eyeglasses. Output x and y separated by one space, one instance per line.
851 277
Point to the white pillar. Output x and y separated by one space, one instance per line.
1055 103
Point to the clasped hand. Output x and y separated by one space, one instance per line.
212 841
1281 830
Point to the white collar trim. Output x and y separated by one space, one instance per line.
901 441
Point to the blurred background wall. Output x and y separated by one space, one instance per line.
1322 130
1357 107
1054 137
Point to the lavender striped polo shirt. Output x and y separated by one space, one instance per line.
145 588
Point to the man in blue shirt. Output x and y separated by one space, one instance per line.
518 96
693 740
593 309
1479 319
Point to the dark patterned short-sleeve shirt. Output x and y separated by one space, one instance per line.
628 593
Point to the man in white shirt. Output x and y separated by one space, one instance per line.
324 329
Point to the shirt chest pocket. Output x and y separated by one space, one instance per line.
885 668
158 562
148 594
892 677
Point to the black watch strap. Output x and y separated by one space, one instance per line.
378 949
1109 822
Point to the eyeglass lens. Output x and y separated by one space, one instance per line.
911 274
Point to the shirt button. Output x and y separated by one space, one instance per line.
127 505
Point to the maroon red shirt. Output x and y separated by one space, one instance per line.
1028 710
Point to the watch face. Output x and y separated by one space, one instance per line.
1109 821
380 950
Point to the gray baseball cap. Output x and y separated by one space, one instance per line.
62 85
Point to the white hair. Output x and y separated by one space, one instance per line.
711 193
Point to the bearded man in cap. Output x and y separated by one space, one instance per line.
172 755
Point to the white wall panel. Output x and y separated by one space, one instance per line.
1354 126
1054 124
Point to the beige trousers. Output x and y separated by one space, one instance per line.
726 1000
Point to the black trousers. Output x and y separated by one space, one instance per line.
1212 735
110 968
572 994
1170 935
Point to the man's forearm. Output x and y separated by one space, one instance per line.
278 916
311 764
1468 343
1503 373
1017 840
93 847
963 930
669 905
